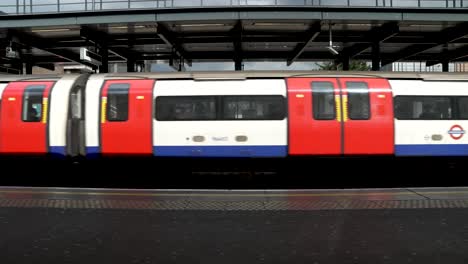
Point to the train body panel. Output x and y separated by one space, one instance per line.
59 114
430 118
92 114
220 118
335 116
314 116
367 116
272 114
2 87
24 117
126 113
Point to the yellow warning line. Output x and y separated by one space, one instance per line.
229 194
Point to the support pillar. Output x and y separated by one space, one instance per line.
376 56
28 67
345 62
238 64
104 53
130 65
445 66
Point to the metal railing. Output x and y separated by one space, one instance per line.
18 7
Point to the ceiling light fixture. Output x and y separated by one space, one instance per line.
330 47
51 30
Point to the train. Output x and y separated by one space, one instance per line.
251 114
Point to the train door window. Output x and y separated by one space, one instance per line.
257 107
185 108
358 100
117 102
32 103
463 107
323 101
423 107
76 105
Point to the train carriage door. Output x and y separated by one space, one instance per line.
367 116
314 116
126 111
24 117
2 87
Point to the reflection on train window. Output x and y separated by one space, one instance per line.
117 102
323 101
32 103
172 108
76 102
423 107
255 107
358 100
463 107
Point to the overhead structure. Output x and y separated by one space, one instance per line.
238 34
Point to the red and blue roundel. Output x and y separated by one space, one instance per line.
456 132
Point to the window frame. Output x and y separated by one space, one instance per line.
368 101
314 93
454 104
224 98
25 105
159 98
109 90
219 107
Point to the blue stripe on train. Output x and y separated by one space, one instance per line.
220 151
92 152
432 150
57 150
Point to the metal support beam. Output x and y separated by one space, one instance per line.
311 35
376 56
47 66
27 58
345 62
99 39
171 41
378 34
28 67
443 37
454 55
45 44
237 36
10 70
104 53
130 65
445 66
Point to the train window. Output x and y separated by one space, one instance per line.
76 105
423 107
358 100
32 103
188 108
463 107
323 101
117 102
253 107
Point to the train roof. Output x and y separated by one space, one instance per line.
242 75
237 75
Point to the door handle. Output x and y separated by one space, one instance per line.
437 137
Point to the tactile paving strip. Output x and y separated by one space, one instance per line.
273 205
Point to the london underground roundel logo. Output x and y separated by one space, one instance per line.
456 132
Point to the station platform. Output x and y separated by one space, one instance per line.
66 225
